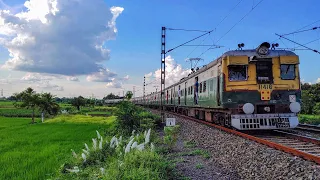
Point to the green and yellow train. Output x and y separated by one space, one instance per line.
244 89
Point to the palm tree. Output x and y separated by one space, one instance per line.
47 104
29 98
129 95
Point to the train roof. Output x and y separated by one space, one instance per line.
253 52
248 52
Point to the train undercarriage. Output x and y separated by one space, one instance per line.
228 119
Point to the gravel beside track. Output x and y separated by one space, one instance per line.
249 159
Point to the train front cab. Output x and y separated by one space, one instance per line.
262 92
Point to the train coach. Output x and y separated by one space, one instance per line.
244 89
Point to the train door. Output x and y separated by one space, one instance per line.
196 90
167 96
179 95
218 86
171 95
185 93
174 95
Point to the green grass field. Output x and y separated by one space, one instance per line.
7 109
6 104
36 151
309 119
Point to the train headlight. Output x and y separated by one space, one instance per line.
248 108
263 49
295 107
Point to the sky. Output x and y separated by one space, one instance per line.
97 47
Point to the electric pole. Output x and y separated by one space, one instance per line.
163 69
134 91
144 89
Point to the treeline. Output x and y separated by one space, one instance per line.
310 98
66 100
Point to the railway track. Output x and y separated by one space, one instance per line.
308 127
301 143
304 147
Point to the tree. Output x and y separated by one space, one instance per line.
129 95
111 96
308 102
12 98
30 100
78 102
90 102
47 104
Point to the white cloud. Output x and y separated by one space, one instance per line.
43 81
71 78
126 78
174 72
104 75
114 84
58 36
48 86
36 77
148 76
318 80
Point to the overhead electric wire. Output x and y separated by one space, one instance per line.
309 25
233 26
186 30
216 27
293 49
314 28
314 50
188 41
240 20
283 43
311 41
300 29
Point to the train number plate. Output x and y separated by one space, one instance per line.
265 86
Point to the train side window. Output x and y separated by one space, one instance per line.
287 71
188 90
204 86
191 90
211 85
237 73
200 87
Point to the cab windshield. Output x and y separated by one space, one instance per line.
237 72
287 71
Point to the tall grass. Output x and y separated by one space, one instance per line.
36 151
81 119
117 158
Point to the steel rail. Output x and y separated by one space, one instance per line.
308 127
274 145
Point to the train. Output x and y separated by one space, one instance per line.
250 89
113 101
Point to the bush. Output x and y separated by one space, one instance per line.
309 119
128 117
155 118
171 133
132 117
118 158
